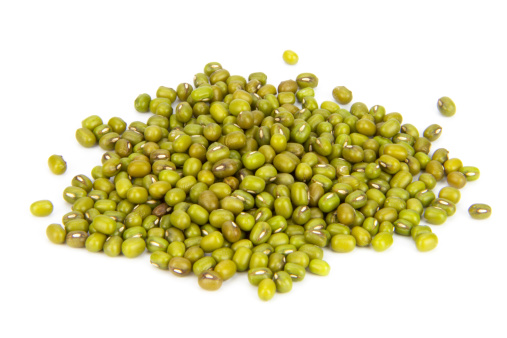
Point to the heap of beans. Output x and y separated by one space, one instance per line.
233 174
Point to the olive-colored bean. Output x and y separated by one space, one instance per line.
76 239
104 224
85 137
112 246
180 266
283 281
256 275
56 233
436 169
456 179
41 208
403 227
444 204
346 214
160 259
426 241
57 165
343 243
242 258
479 211
450 193
133 247
382 241
446 106
361 235
305 80
471 173
435 215
342 95
203 264
290 57
295 271
210 280
419 229
433 132
266 289
95 242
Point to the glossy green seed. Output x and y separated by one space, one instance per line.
382 241
305 80
435 215
160 259
290 57
133 247
104 224
426 241
242 258
85 137
95 242
76 239
471 173
433 132
419 229
260 233
444 204
57 165
446 106
319 267
142 103
41 208
176 248
226 268
203 264
210 280
283 281
56 233
112 247
362 236
343 243
342 95
256 275
180 266
298 257
91 122
154 244
212 241
295 271
402 227
266 289
479 211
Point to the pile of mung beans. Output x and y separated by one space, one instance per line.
233 174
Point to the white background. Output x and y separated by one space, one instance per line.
62 61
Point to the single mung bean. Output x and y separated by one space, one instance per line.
426 241
479 211
435 215
180 266
382 241
56 233
446 106
57 165
290 57
210 280
432 132
342 95
319 267
112 247
76 239
266 289
41 208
